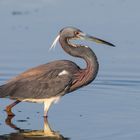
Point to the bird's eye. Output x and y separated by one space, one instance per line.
76 33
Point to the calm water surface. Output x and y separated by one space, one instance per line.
107 109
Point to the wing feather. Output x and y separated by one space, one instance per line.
43 86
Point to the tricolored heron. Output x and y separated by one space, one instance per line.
49 82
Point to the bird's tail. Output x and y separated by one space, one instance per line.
3 92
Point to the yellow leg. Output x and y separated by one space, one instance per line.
47 105
9 108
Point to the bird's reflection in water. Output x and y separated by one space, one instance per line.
21 134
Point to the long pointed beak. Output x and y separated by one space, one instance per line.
94 39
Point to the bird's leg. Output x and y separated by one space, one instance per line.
47 105
9 107
46 125
49 132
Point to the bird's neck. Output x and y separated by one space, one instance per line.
88 74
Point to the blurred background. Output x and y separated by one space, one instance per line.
106 109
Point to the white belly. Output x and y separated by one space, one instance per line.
53 99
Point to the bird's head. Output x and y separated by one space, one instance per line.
72 33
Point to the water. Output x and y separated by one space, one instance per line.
107 109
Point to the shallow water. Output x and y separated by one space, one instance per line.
107 109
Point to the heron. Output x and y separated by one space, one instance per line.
48 82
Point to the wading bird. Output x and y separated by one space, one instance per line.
47 83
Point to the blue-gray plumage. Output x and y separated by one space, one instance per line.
49 82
